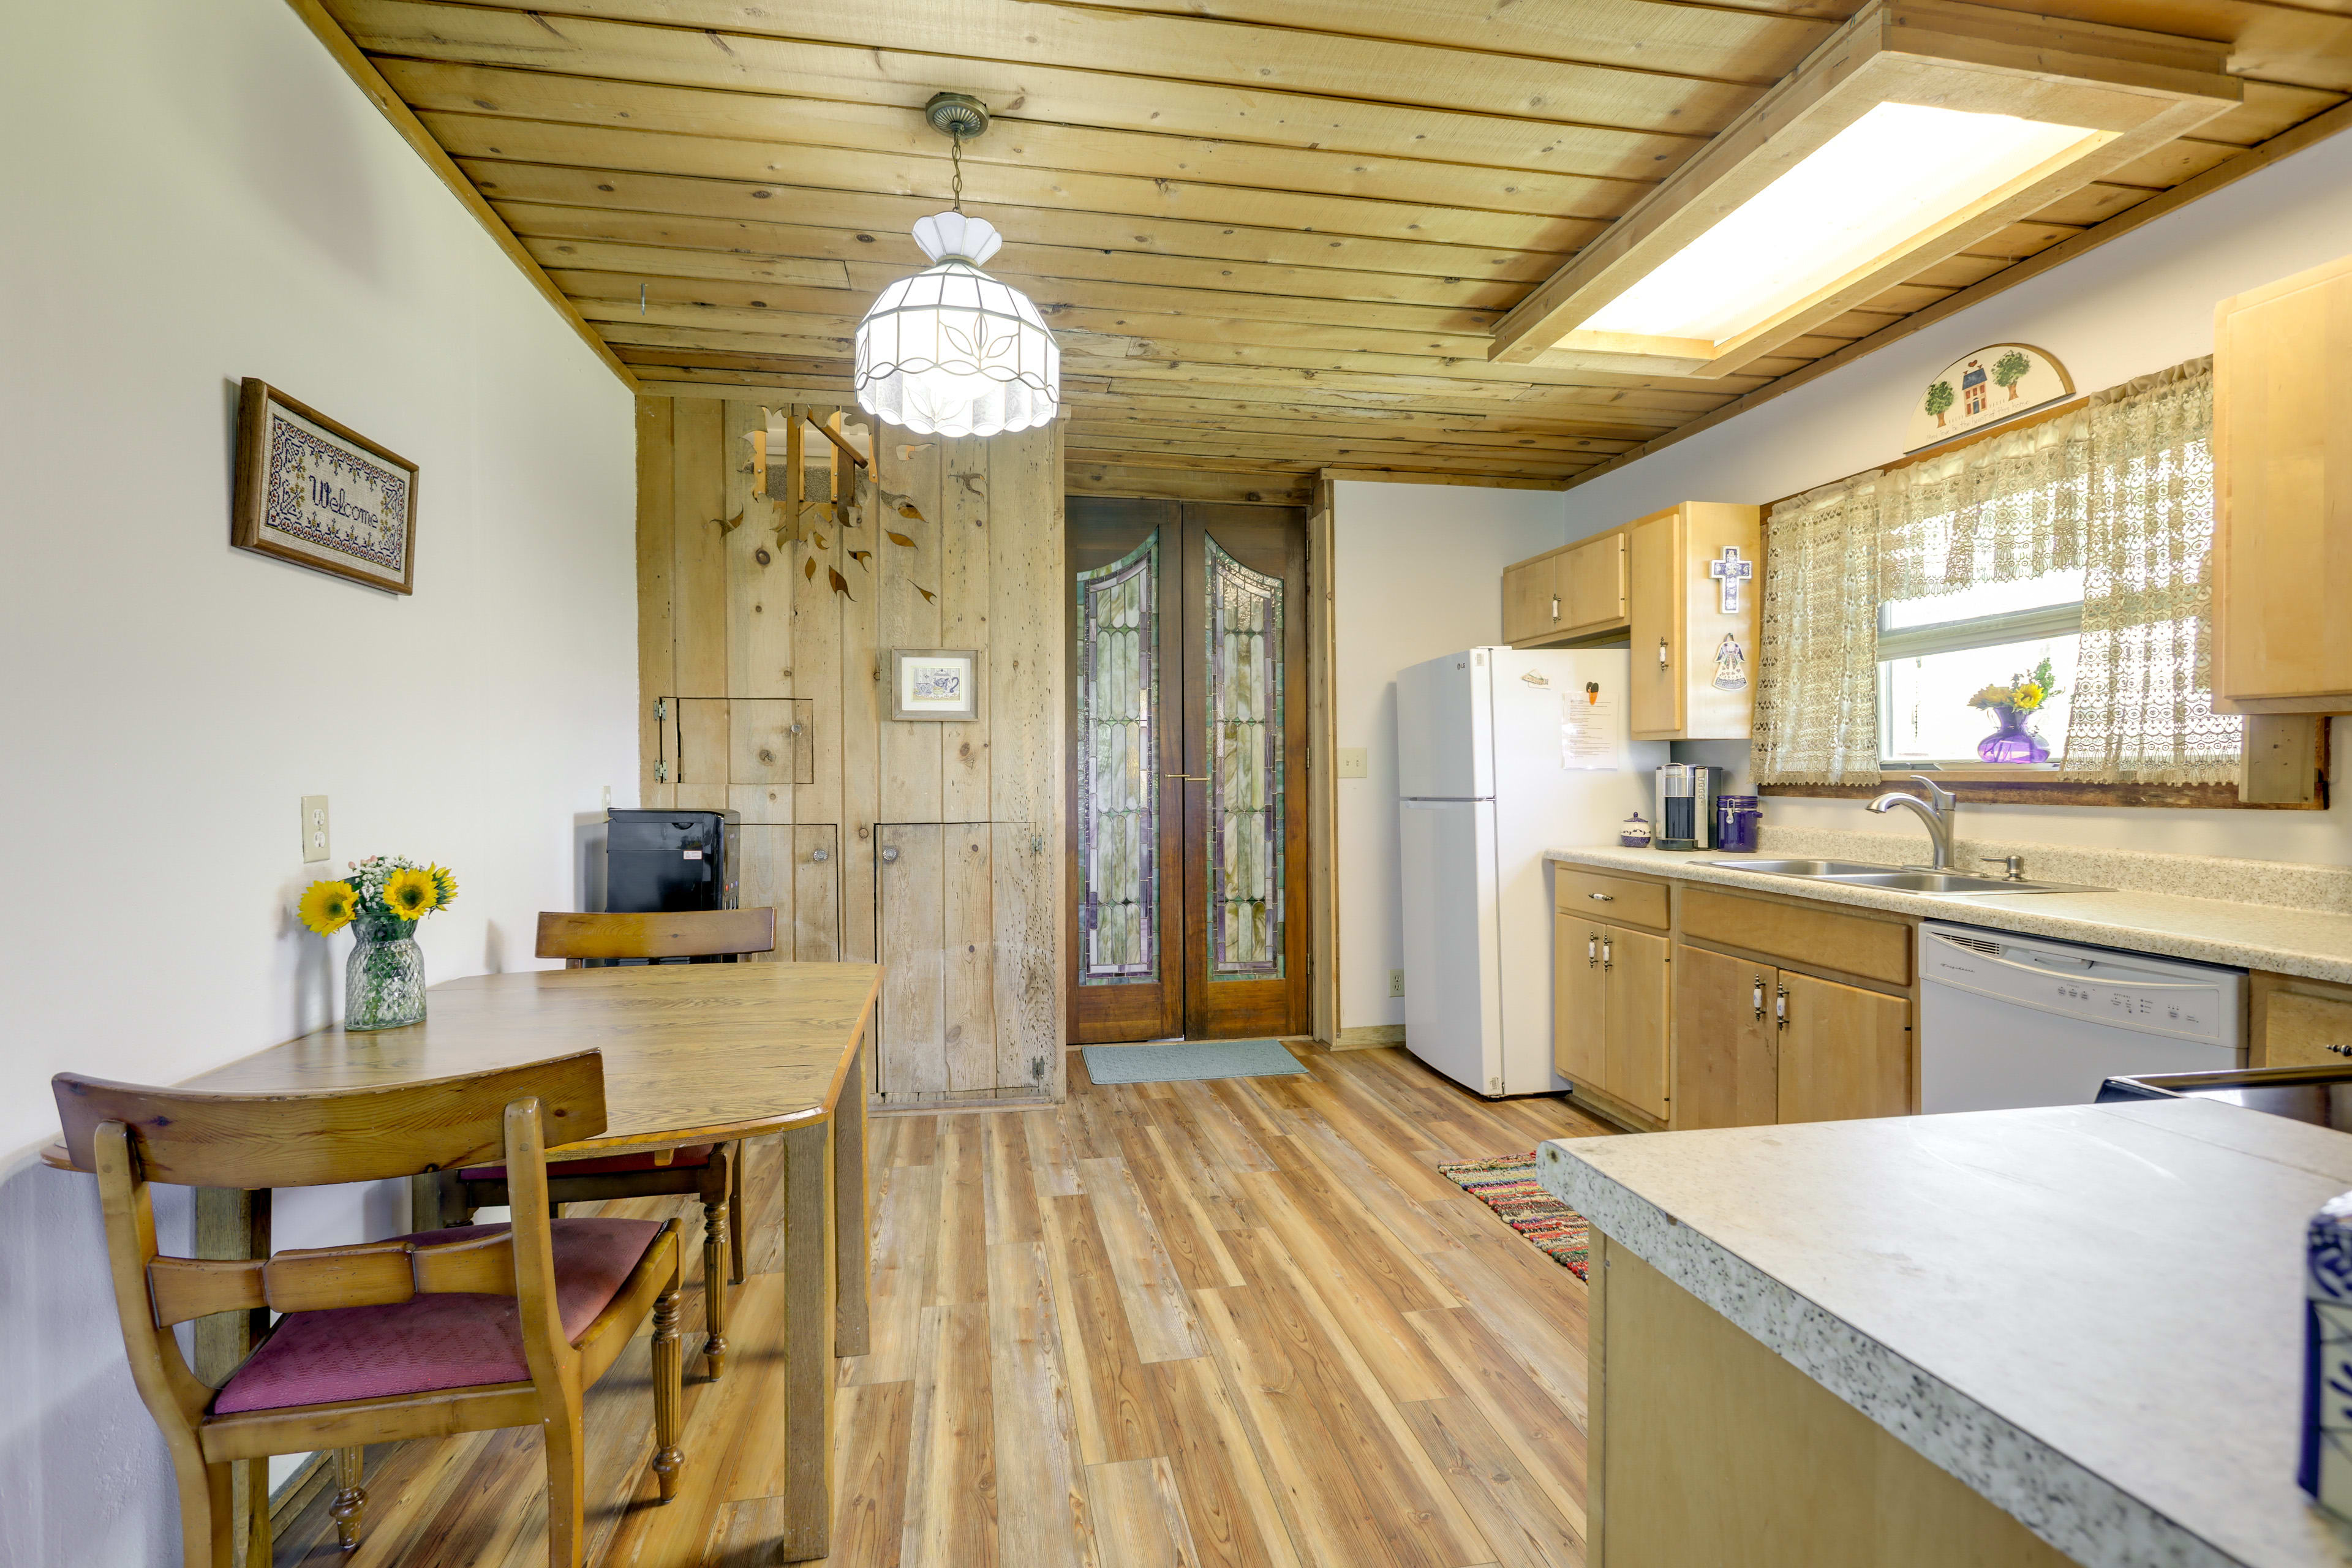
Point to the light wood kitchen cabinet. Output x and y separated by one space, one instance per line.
1693 666
1592 577
1634 970
2282 497
1724 1071
1580 1002
2292 1022
1610 998
1531 599
1575 591
1843 1052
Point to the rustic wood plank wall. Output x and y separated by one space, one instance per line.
764 690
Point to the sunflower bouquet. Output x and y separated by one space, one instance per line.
383 898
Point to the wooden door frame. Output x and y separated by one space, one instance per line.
1319 766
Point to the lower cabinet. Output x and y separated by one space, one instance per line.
1756 1044
1724 1065
1609 1000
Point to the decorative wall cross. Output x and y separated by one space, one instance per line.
1731 571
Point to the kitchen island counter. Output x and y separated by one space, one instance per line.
2089 1316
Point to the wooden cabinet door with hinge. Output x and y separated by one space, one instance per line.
1724 1071
1591 584
1532 604
1635 968
2298 1023
1843 1052
1580 1002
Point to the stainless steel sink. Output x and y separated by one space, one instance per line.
1952 882
1801 868
1901 879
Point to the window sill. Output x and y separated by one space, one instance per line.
2043 786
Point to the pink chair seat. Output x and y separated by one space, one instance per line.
454 1341
682 1159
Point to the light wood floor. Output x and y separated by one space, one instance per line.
1214 1325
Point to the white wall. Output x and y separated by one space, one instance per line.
1417 572
2133 306
197 193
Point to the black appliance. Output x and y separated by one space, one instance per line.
660 862
1686 793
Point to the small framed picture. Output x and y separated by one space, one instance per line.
320 494
934 683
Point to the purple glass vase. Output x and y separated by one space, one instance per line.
2012 743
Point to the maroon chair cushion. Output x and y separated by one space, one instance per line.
454 1341
683 1160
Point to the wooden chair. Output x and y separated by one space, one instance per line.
710 1171
423 1335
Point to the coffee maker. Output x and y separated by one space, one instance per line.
1686 793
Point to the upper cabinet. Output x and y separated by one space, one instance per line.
1575 591
2283 492
1694 660
1665 580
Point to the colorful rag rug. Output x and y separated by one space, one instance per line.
1508 1186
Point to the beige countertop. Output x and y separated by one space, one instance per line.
2313 942
2091 1315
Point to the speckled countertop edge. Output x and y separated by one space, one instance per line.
2073 1510
2207 931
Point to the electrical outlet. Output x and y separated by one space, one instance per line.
1396 981
316 845
1355 762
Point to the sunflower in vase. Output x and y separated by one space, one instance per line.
2013 707
383 898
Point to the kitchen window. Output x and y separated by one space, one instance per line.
2027 609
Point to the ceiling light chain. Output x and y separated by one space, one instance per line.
951 350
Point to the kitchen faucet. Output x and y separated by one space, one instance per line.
1936 811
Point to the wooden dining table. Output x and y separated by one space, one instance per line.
693 1053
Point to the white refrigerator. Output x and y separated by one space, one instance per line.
1501 754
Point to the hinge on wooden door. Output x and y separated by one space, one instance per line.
661 770
661 707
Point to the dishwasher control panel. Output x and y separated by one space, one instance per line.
2156 996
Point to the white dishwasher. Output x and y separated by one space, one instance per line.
2008 1020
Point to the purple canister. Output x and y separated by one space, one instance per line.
2326 1471
1737 817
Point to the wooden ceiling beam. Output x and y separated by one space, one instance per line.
440 87
1187 484
1037 85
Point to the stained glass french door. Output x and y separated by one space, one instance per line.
1187 878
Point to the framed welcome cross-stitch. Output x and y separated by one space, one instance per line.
320 494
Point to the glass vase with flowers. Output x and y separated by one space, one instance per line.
2012 707
381 901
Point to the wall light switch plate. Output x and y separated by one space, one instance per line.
1396 981
608 798
315 844
1355 762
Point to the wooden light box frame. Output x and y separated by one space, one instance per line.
2134 90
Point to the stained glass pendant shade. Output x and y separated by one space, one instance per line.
953 352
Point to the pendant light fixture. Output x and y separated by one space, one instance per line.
951 350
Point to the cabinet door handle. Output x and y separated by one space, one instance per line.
890 855
1780 1005
1607 953
2341 1050
1760 998
1591 948
1603 898
1555 608
1662 653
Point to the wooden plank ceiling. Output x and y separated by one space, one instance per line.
1270 234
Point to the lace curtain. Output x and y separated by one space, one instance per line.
1817 684
2142 708
2001 510
2122 488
